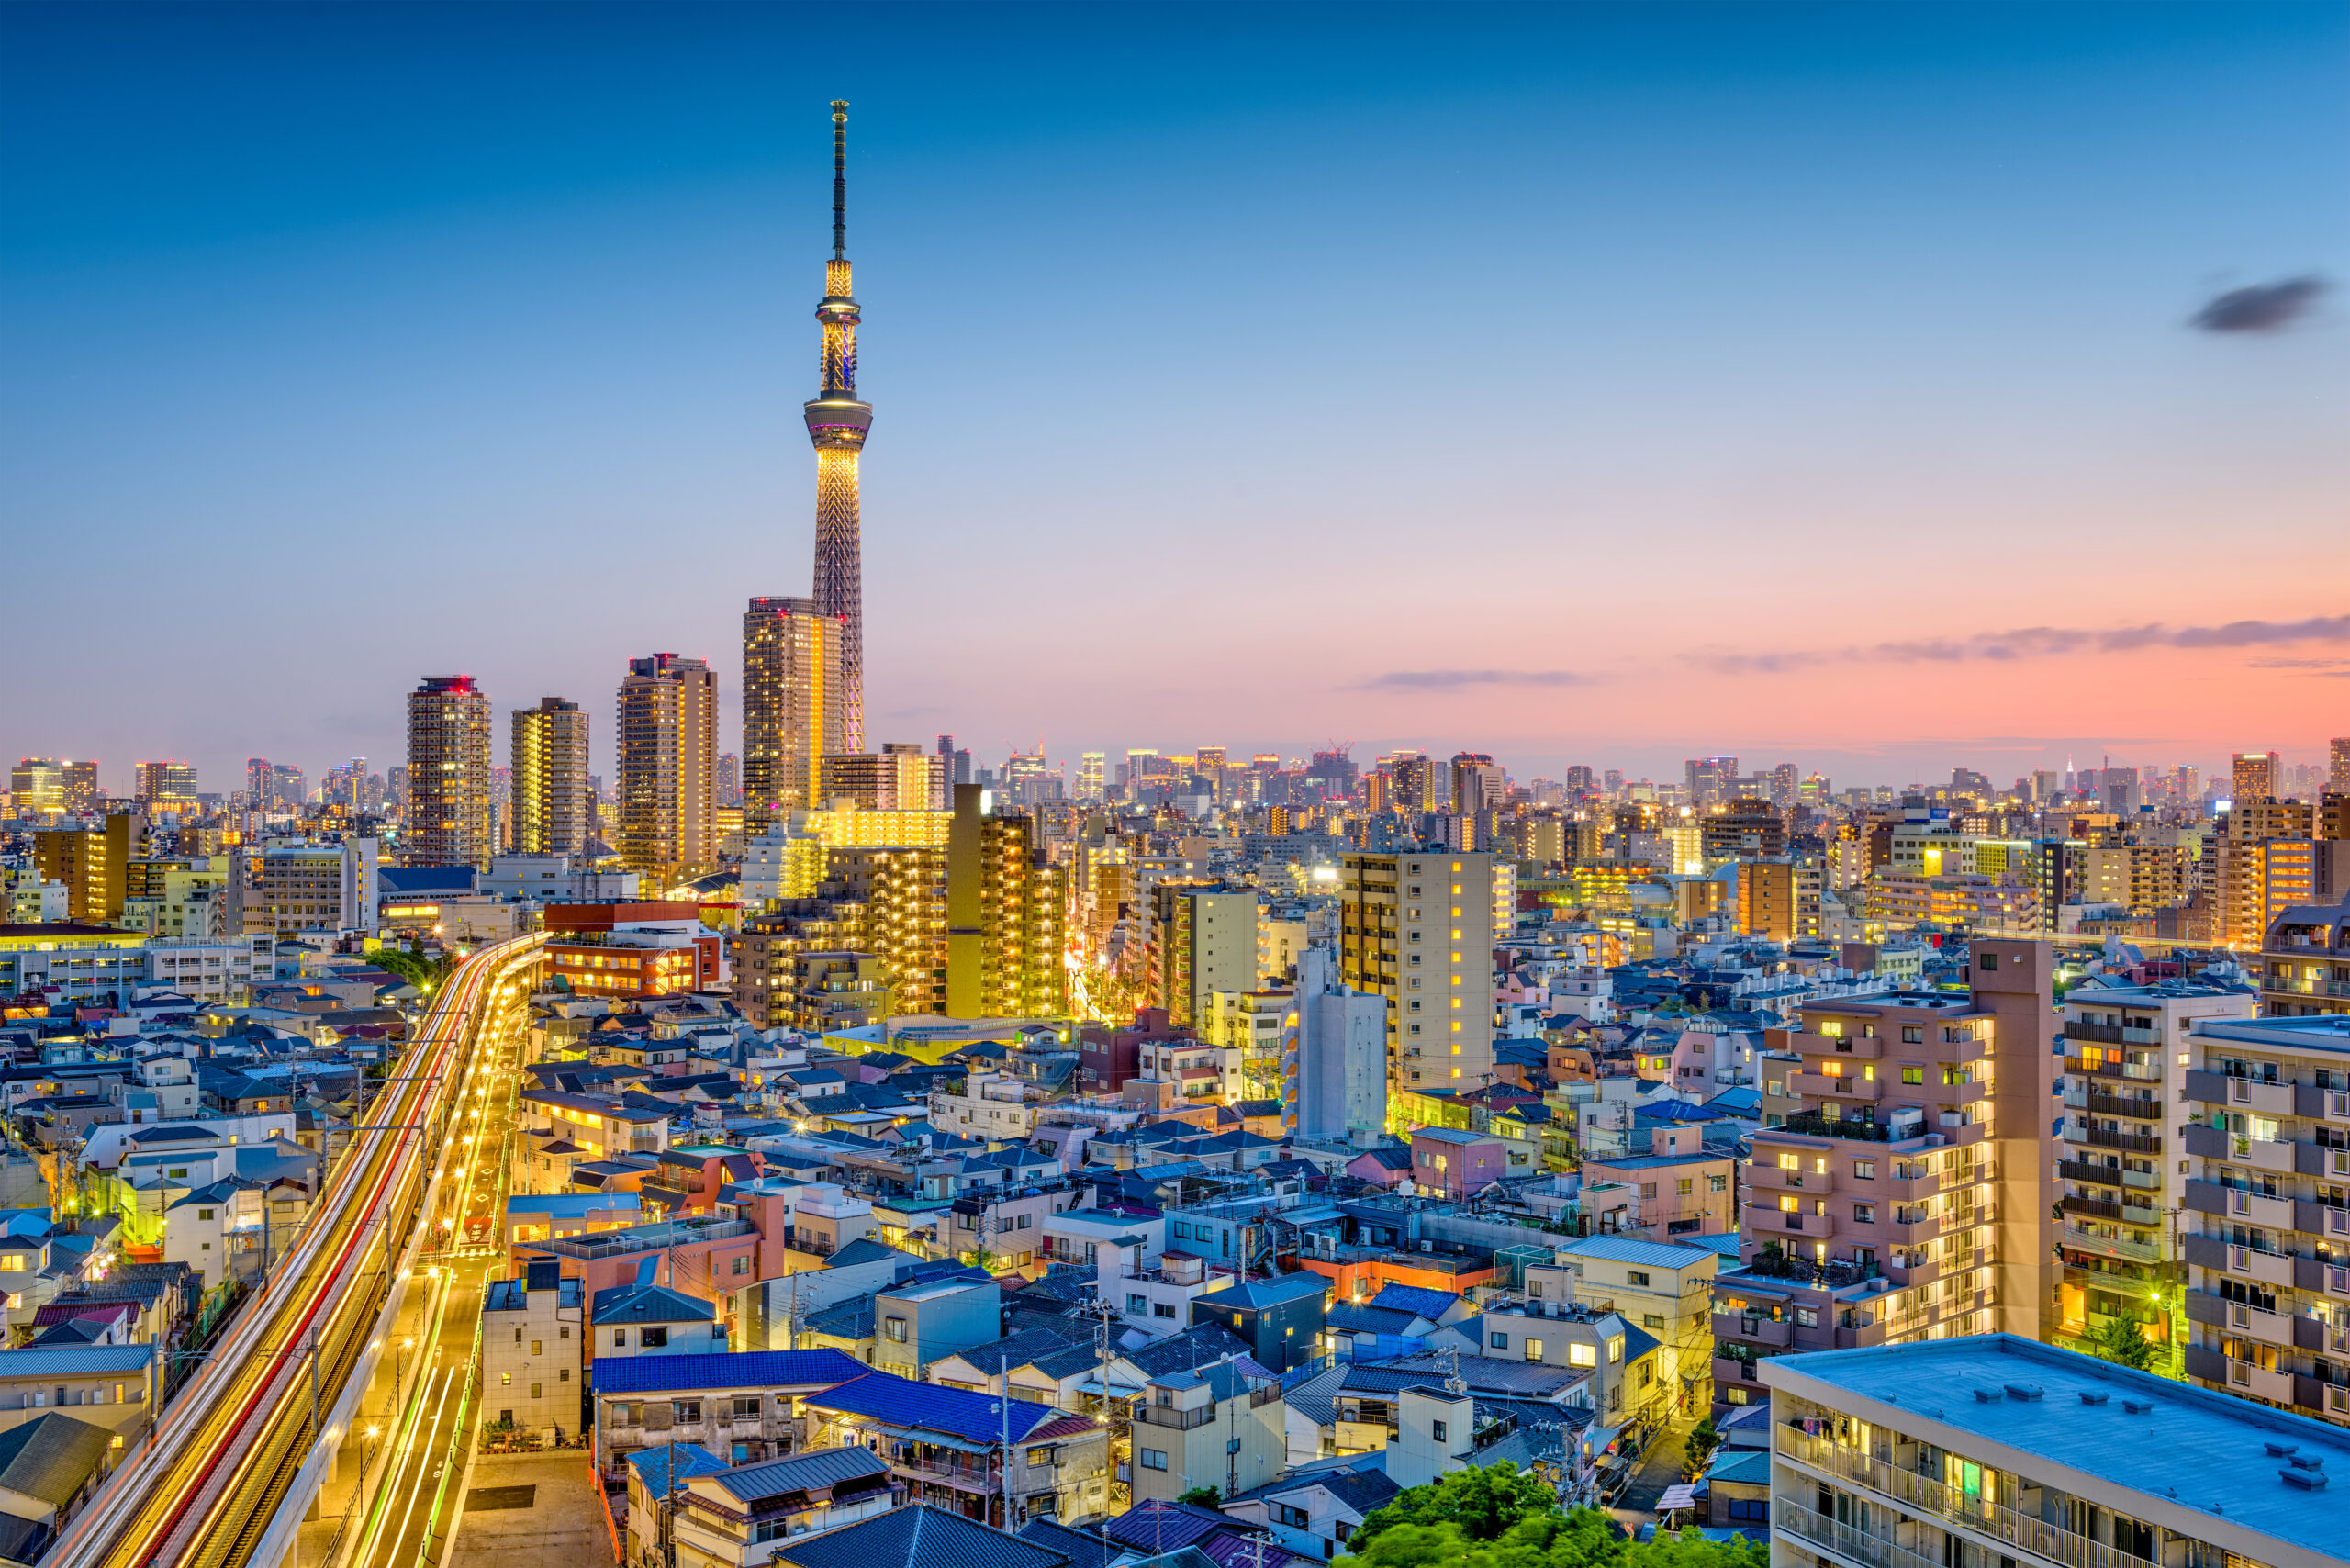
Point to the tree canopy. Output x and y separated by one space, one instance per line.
1494 1518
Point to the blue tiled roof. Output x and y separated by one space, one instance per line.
1431 1305
737 1369
900 1402
1631 1250
652 1465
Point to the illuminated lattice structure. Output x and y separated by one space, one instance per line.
837 424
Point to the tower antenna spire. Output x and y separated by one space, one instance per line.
840 179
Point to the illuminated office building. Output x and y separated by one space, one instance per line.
164 786
93 864
792 716
837 422
667 751
2255 777
448 774
550 811
900 776
38 785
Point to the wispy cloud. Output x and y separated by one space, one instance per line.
1454 680
2037 642
2262 307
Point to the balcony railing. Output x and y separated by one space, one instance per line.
2021 1530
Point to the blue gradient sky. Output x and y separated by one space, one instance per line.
1602 386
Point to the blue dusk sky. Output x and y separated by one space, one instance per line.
1841 384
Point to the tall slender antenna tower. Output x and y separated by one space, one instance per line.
837 421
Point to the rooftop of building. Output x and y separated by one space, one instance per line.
2092 1425
1631 1250
2328 1032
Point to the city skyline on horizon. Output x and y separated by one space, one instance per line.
1872 655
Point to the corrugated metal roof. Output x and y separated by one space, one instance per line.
51 1456
74 1361
900 1402
797 1472
737 1369
1630 1249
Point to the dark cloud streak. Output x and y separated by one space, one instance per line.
1453 679
2262 306
2039 641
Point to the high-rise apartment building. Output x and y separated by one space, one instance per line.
792 714
667 748
2268 1249
837 424
93 863
1006 918
1417 929
2337 773
1766 900
1997 1452
287 786
257 783
1206 941
730 780
1907 1199
1092 780
81 784
1416 783
900 776
302 887
164 786
2251 876
2120 1181
448 774
2305 957
549 765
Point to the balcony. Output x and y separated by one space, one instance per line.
2259 1383
1771 1222
980 1477
1858 1048
2098 1138
2317 1160
2321 1105
1760 1178
2235 1202
2082 1239
2254 1095
2097 1103
2321 1219
2023 1531
1177 1421
1775 1334
1821 1085
1729 1369
2256 1263
2241 1318
1818 1530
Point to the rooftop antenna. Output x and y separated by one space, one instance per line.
840 179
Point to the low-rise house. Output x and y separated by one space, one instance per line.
1279 1319
919 1324
1738 1490
970 1453
651 1320
1316 1512
736 1517
1664 1289
657 1479
1621 1359
1159 1301
48 1467
105 1385
1219 1426
738 1405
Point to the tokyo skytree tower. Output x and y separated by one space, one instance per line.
837 424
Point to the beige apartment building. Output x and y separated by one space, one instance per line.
1219 1426
1417 929
667 745
2305 957
1908 1198
2120 1185
2268 1249
792 710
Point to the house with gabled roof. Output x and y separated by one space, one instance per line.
973 1454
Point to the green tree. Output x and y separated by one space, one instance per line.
1203 1496
2120 1339
1698 1451
1479 1502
